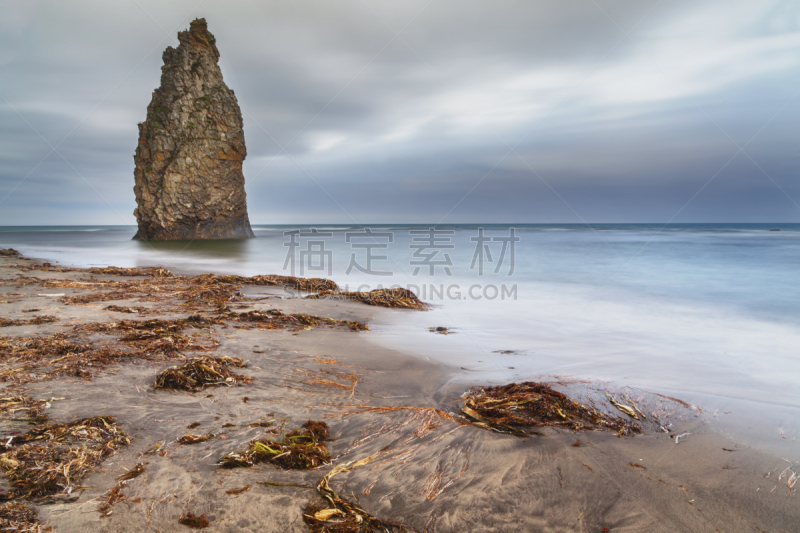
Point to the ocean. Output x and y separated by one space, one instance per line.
709 313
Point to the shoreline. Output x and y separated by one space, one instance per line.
449 477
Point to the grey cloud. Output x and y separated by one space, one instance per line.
401 129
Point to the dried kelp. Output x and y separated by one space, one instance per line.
52 459
25 405
191 438
156 272
301 449
129 310
114 496
275 319
40 358
9 252
134 472
395 298
164 336
15 516
35 321
200 372
194 521
332 513
515 408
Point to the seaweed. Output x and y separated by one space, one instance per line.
394 298
114 496
42 358
194 521
129 310
191 438
31 407
134 472
236 492
9 252
301 449
515 408
275 319
52 459
200 372
35 321
15 516
331 513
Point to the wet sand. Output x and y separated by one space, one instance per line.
429 473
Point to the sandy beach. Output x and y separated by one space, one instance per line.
426 471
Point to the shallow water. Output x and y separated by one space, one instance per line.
707 313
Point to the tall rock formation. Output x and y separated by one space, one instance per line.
189 181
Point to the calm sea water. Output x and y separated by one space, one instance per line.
709 313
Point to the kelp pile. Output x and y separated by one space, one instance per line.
302 449
155 272
52 459
35 321
33 359
206 290
41 358
15 516
9 252
331 513
155 335
515 408
200 372
395 298
275 319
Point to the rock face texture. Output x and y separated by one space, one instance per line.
189 181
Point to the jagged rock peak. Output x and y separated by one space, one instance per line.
188 174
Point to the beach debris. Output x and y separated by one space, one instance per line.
515 408
681 436
134 472
52 459
622 407
35 321
16 516
236 492
301 449
129 310
114 496
394 298
194 425
331 513
200 372
31 359
156 272
194 521
30 407
191 438
441 330
9 252
275 319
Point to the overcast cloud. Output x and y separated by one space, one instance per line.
422 111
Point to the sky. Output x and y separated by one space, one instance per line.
431 111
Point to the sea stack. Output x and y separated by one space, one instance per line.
189 181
